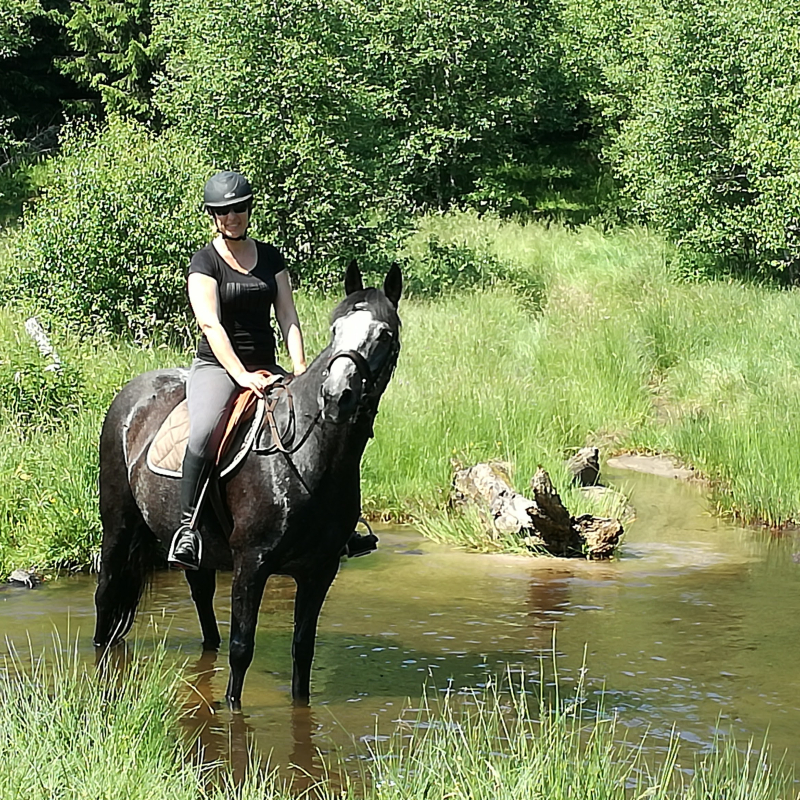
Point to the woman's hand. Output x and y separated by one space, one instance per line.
299 369
257 381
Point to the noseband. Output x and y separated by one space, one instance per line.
362 365
369 379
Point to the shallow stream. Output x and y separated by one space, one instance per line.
696 625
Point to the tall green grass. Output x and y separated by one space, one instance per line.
564 338
73 732
78 732
623 354
507 744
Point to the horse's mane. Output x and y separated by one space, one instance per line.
379 306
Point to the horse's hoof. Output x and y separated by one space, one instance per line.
234 703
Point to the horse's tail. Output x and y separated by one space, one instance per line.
130 549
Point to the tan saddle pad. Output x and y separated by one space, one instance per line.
166 451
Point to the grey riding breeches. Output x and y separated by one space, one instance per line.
210 393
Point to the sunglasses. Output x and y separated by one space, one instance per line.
237 208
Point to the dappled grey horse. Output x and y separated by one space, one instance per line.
291 512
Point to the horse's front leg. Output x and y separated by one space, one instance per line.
311 591
203 584
249 578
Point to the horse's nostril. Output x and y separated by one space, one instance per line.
346 398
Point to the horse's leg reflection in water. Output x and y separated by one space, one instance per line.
229 739
219 739
308 769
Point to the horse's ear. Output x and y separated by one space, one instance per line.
393 285
352 279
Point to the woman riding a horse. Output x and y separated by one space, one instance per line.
292 509
233 283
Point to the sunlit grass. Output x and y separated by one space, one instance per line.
80 732
76 732
615 352
509 743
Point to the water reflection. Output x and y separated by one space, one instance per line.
697 625
223 736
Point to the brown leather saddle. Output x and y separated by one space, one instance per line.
250 419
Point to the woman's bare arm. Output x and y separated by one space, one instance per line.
286 314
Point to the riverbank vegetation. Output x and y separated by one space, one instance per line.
581 196
79 733
76 732
561 339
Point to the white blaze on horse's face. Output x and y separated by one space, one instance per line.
358 332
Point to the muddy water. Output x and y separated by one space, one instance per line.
697 625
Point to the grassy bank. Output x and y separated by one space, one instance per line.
80 733
556 339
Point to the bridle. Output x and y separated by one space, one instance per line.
362 365
283 441
369 377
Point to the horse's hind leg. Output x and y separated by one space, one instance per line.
311 592
203 583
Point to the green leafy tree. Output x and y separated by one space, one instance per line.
106 245
111 53
348 114
464 89
710 151
32 90
695 109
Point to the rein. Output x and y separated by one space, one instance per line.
278 437
283 441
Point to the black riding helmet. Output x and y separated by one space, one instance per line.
226 189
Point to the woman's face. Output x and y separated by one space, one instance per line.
233 222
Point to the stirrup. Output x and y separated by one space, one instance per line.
360 544
175 560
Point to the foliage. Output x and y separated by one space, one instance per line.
105 247
698 113
464 91
81 732
435 264
344 113
32 91
33 393
15 32
111 54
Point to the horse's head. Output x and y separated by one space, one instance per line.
365 342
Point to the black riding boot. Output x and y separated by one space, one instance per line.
187 544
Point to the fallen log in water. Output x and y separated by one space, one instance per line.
542 521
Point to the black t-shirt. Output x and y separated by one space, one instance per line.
245 301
